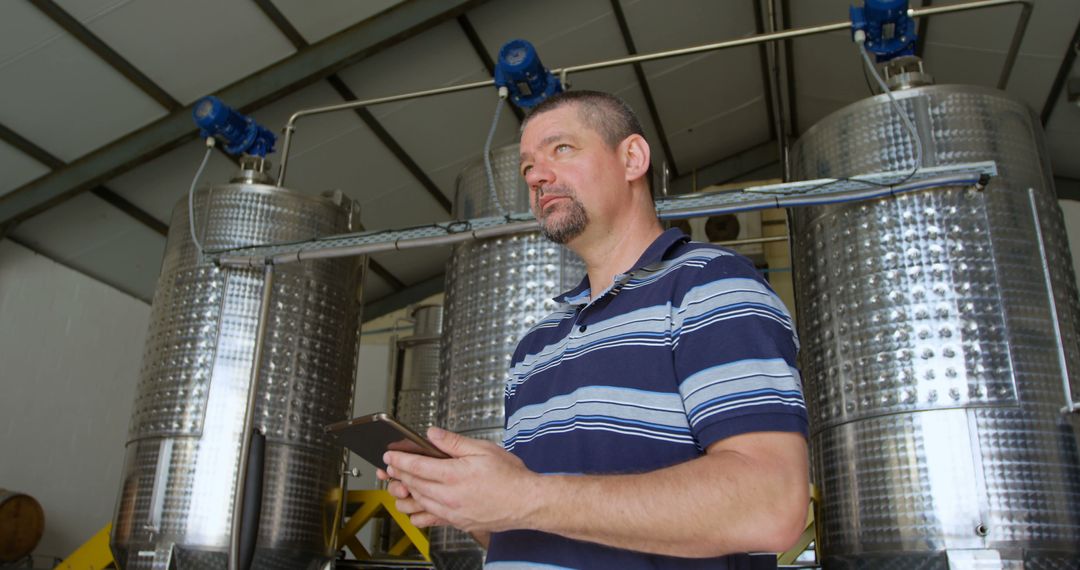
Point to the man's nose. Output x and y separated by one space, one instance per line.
538 176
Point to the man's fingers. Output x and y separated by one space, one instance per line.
424 520
398 490
456 445
419 466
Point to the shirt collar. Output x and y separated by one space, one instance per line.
581 294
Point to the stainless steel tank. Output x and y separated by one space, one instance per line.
175 504
929 352
496 289
418 399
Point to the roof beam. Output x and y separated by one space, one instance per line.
106 53
285 26
53 162
1062 76
394 301
766 79
643 81
392 145
282 23
789 65
481 51
289 31
303 68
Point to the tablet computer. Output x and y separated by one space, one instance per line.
373 435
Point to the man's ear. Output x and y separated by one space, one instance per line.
636 156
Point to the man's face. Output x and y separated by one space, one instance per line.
569 169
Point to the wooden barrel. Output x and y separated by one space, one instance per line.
22 522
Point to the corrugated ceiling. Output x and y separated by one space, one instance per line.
65 97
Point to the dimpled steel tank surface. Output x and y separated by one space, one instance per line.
175 504
418 399
929 349
496 289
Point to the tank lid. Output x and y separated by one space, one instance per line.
905 73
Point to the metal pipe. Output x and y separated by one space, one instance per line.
1070 406
290 127
249 418
750 241
751 40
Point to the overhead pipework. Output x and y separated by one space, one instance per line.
520 70
887 27
240 133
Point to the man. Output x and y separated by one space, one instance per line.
656 421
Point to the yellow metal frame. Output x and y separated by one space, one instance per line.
94 554
810 534
369 505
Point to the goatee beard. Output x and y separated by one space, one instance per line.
573 222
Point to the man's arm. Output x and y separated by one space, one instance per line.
747 494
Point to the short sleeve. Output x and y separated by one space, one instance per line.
734 351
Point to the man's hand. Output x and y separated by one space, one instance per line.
480 489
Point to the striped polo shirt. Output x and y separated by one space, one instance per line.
689 347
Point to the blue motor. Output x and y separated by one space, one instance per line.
520 71
240 133
890 32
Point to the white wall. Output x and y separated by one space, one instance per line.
1071 209
70 351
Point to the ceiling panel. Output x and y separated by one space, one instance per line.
65 99
375 288
99 240
190 48
442 130
332 151
721 135
438 57
401 207
24 30
690 91
415 265
17 168
828 76
316 22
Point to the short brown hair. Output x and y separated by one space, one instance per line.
604 113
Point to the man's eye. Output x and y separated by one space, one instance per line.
562 148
